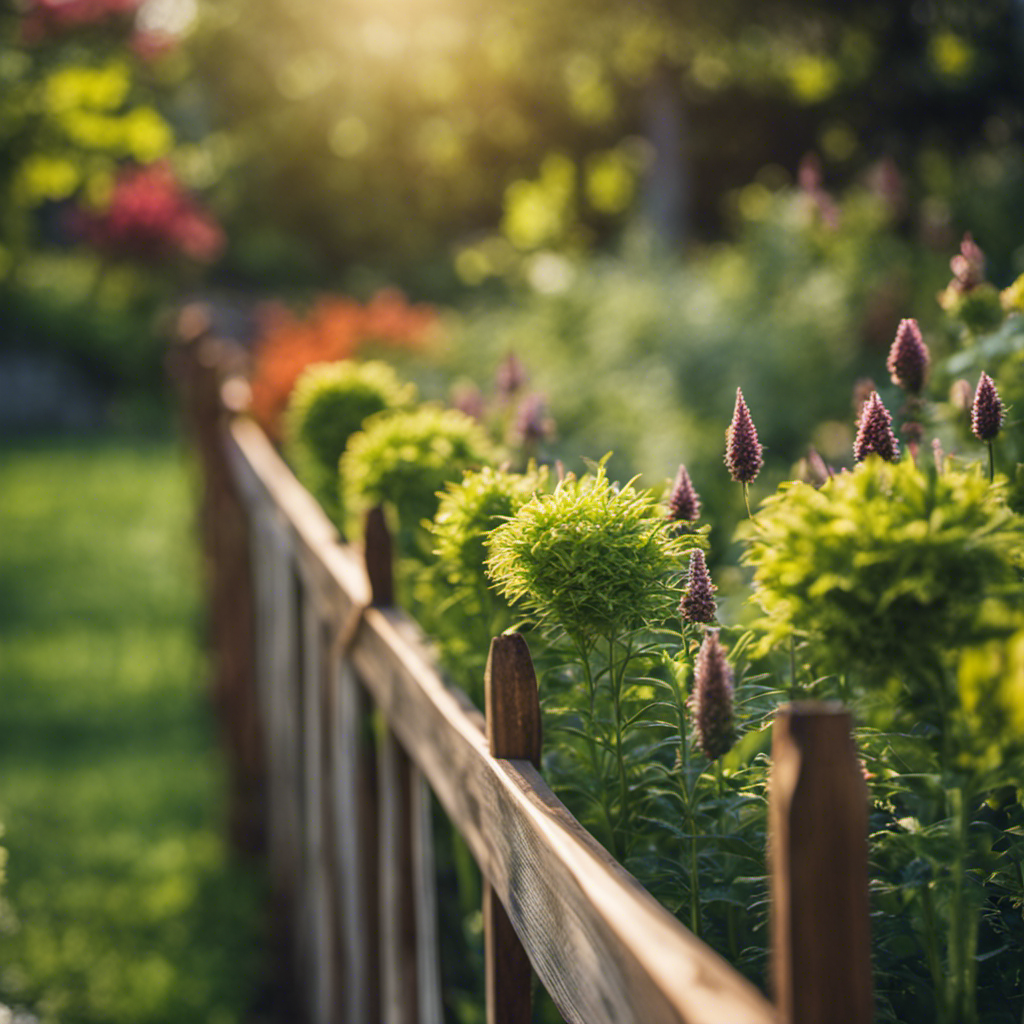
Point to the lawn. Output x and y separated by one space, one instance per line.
123 903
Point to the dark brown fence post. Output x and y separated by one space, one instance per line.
513 731
199 362
379 559
821 944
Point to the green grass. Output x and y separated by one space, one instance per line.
124 904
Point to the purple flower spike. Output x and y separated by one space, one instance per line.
711 699
968 265
533 424
743 453
987 411
874 432
511 376
683 502
908 358
698 603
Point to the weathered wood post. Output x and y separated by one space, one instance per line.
513 731
316 919
199 362
410 986
818 818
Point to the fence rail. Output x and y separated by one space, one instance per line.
347 812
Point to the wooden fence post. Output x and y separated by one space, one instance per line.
409 965
318 903
513 731
818 818
357 844
199 363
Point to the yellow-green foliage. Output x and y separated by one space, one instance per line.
888 568
470 509
404 458
328 405
592 559
991 687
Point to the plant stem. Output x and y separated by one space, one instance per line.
730 910
961 925
596 765
792 669
931 949
991 462
616 679
691 817
746 501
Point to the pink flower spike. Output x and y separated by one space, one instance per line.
743 452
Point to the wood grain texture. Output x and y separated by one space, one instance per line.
820 920
428 955
354 792
512 707
398 956
602 946
508 978
317 902
512 711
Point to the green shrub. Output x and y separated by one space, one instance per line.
471 509
404 458
453 598
592 559
886 569
328 405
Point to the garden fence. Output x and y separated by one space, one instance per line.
338 722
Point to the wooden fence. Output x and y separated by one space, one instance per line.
311 659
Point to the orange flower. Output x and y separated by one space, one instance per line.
336 327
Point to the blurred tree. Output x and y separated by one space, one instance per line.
375 131
100 150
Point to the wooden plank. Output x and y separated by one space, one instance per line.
355 843
513 731
428 955
266 609
398 956
603 947
821 938
278 673
316 919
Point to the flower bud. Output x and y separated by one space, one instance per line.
510 377
533 424
874 432
987 411
711 702
743 452
683 502
908 358
698 603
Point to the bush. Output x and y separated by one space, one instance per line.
403 459
888 569
592 559
328 405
